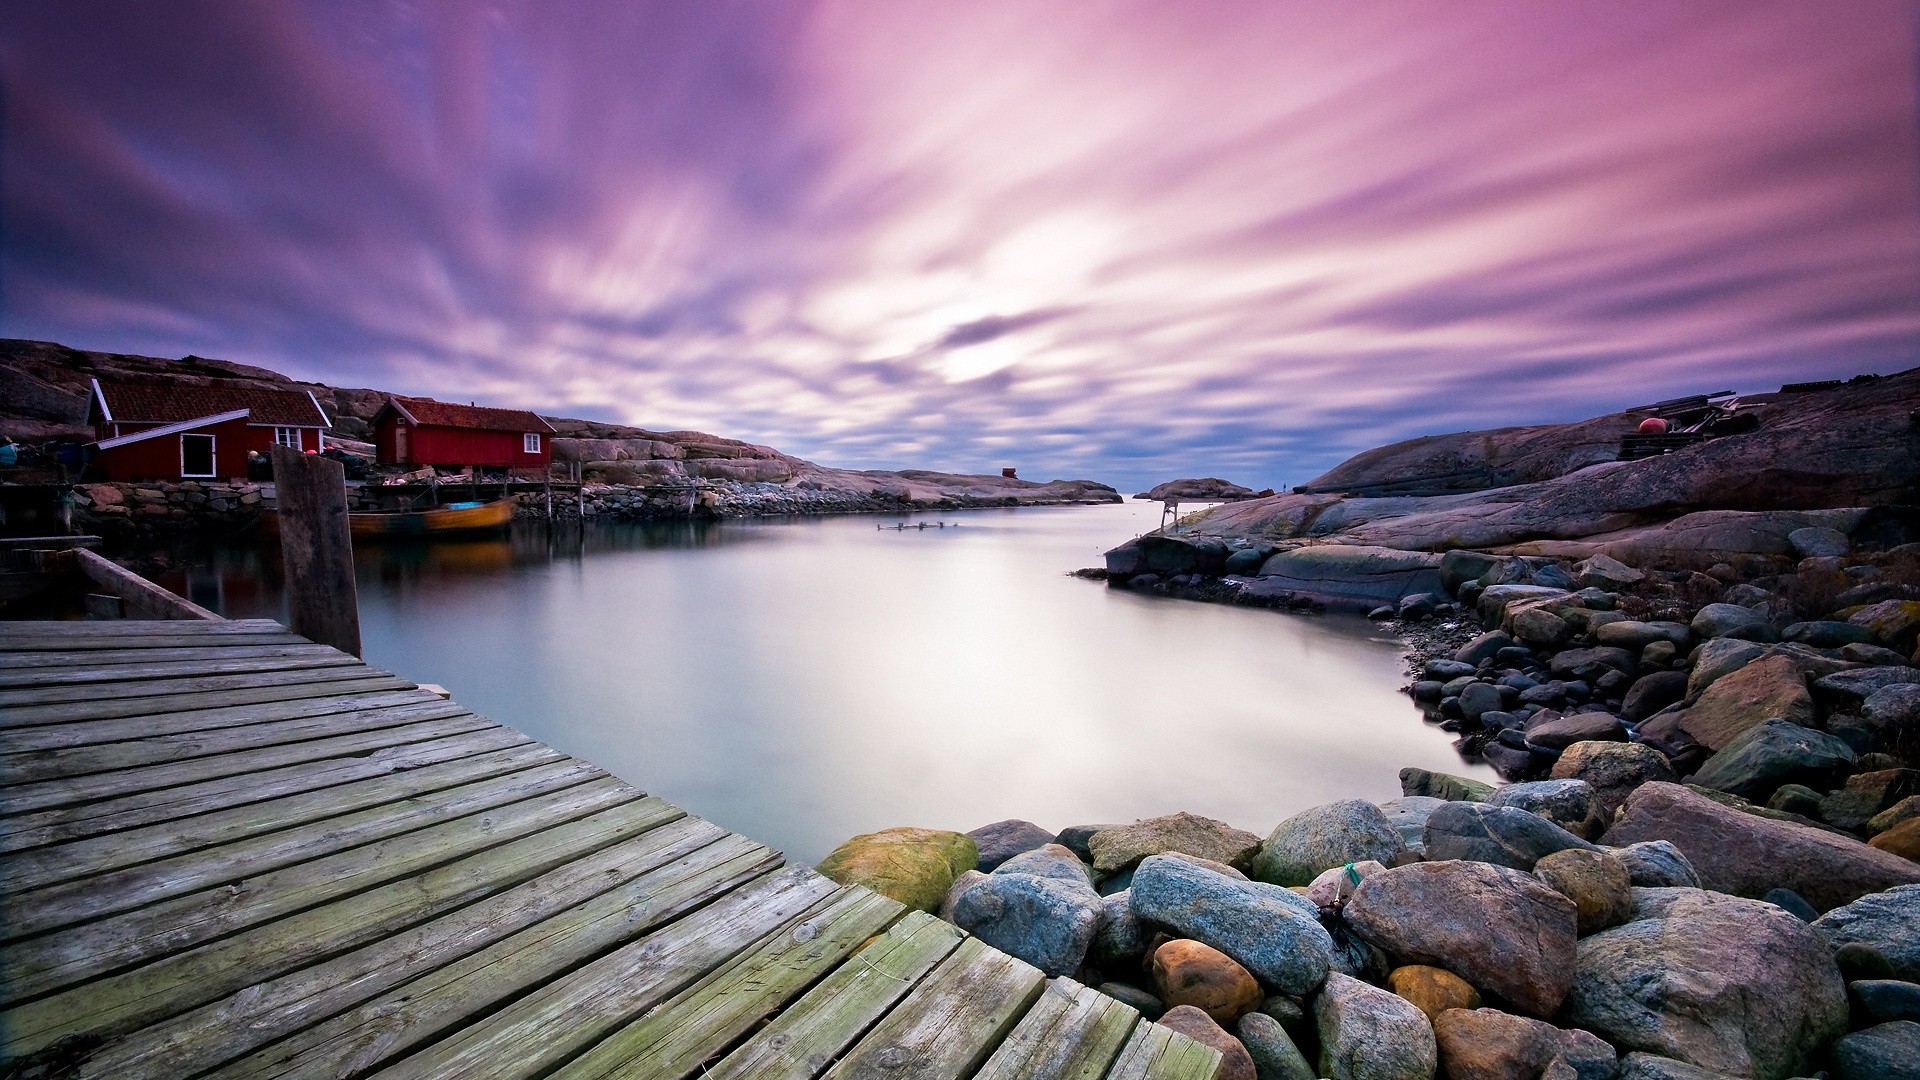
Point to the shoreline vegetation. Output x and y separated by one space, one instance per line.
1699 677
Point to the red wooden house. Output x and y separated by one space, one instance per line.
422 431
185 431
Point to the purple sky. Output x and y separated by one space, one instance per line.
1114 240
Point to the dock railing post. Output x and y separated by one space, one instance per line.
316 546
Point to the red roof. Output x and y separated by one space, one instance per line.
170 403
430 413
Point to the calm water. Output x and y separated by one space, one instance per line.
802 681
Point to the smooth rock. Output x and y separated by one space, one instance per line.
1829 634
1117 848
1446 786
1889 1051
1795 799
1571 804
1553 731
1002 840
1818 541
1482 647
1732 620
1478 699
1149 1006
1902 840
1121 942
1881 1000
1275 1057
1187 972
1772 753
1487 1044
1895 623
1049 861
1408 815
1658 655
1591 663
1503 931
1235 1062
1494 834
913 866
1369 1034
1272 931
1613 770
1074 838
1335 884
1433 990
1599 885
965 881
1717 981
1656 864
1746 855
1770 687
1445 670
1047 922
1603 572
1323 837
1639 1066
1652 692
1887 922
1634 635
1540 628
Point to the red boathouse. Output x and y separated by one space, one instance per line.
422 431
184 431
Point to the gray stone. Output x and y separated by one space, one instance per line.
1503 931
1893 709
1122 846
1717 981
1539 628
1592 663
1829 634
1570 804
1047 922
1888 921
1074 838
1501 835
1772 753
1634 635
1881 1000
1652 692
1719 658
1272 931
1478 699
1121 942
1493 602
1049 861
1792 903
1002 840
1731 620
1549 730
1444 670
1275 1057
1369 1034
1856 685
1659 655
1819 542
1657 864
1149 1006
1614 769
1639 1066
1602 572
965 881
1408 815
1483 647
1889 1051
1303 845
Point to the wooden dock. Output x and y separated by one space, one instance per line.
229 852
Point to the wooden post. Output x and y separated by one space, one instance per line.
317 548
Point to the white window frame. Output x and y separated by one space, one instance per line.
280 435
530 442
213 456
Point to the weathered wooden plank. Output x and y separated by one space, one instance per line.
16 681
242 1023
62 958
14 631
425 1009
132 999
32 869
93 732
24 831
123 688
38 765
100 895
320 682
675 1039
802 1041
1161 1053
75 789
564 1017
951 1022
1071 1033
292 646
109 642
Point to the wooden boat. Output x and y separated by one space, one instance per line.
453 518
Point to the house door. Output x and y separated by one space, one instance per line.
196 455
401 444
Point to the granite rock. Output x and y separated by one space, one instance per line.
1494 834
1369 1034
1314 840
1002 840
1122 846
1271 931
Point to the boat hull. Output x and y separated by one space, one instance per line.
436 522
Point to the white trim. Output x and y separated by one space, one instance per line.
101 396
299 437
325 421
529 442
213 456
172 429
402 410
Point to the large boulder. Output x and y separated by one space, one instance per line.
1351 575
1614 770
1719 658
1002 840
1652 692
1772 753
1506 932
1122 846
1047 921
1369 1034
1656 864
1303 845
1643 1066
913 866
1852 687
1571 804
1494 834
1888 921
1724 983
1495 599
1272 931
1889 1051
1734 621
1896 623
1599 885
1188 972
1748 855
1487 1044
1770 687
1122 940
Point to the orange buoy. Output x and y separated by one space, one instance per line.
1653 425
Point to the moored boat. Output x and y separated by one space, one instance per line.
453 518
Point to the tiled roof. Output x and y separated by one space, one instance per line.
169 403
431 413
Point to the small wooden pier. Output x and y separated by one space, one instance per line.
227 851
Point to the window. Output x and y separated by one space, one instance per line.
288 437
196 455
530 443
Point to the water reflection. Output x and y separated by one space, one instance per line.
804 680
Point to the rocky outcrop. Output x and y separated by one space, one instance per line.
1204 489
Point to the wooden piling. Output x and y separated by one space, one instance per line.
316 546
